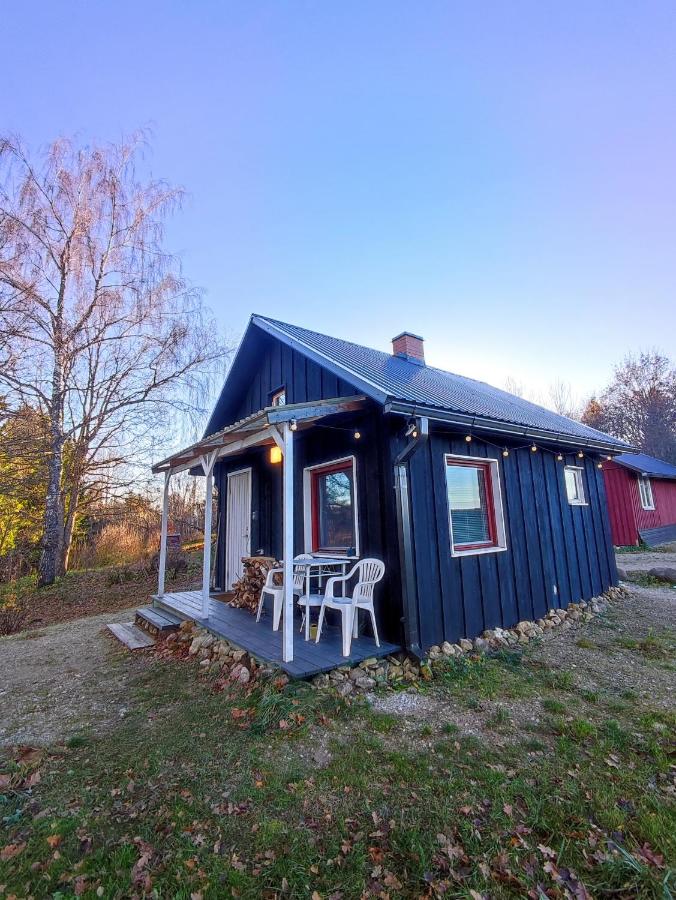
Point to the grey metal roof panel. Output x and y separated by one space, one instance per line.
411 383
641 462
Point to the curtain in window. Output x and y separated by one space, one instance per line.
468 504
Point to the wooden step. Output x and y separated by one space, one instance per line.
131 635
156 621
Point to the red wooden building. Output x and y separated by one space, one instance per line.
641 493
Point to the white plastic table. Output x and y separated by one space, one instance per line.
320 563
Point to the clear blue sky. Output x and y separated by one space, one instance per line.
498 177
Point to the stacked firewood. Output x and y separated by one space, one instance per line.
247 589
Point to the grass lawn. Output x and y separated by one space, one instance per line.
289 792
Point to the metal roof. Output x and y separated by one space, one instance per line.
386 378
648 465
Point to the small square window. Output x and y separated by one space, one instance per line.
575 485
278 398
645 490
474 505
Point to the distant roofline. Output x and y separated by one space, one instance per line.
647 467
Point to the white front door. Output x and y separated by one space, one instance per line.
237 524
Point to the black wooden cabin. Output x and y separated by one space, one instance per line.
485 508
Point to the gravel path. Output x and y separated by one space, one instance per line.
64 679
642 561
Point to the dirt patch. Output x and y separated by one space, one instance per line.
62 680
613 656
607 662
496 722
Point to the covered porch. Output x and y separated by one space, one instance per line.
273 430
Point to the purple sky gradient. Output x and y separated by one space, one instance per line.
498 177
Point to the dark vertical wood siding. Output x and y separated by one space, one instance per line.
321 444
303 380
556 553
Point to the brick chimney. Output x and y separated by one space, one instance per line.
409 346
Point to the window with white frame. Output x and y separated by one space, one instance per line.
278 397
331 518
475 513
575 485
645 490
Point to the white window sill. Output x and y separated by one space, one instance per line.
478 551
578 503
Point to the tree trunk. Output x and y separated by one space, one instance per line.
69 524
52 539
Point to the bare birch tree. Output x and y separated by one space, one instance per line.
98 328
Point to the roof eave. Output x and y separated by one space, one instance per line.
501 427
642 470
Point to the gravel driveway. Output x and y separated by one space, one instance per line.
64 679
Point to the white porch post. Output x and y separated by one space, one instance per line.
162 567
287 502
208 461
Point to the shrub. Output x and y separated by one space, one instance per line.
118 543
12 618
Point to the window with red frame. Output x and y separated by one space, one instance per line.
334 525
471 504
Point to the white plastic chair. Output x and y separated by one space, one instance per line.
276 591
370 573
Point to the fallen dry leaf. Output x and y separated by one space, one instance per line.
12 850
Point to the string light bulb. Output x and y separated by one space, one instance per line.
505 453
599 465
468 438
294 425
608 458
357 435
533 449
580 455
559 456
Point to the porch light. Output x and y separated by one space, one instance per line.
412 429
275 454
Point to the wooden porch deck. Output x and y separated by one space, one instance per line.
240 627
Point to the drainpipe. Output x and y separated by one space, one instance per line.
405 536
